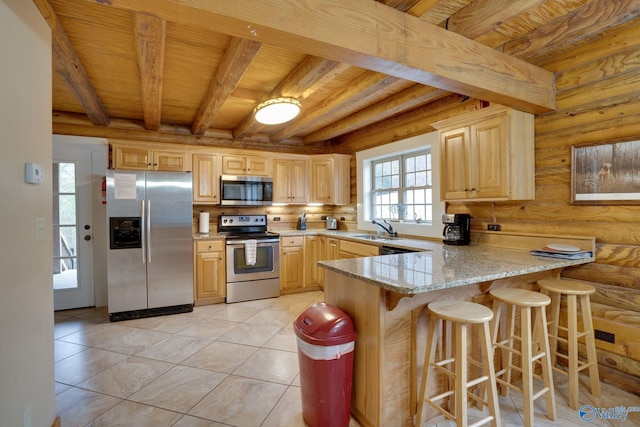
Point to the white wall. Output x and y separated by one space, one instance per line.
26 304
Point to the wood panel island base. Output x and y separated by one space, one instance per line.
386 298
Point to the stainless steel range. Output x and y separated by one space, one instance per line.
253 257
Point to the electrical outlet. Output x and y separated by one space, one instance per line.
323 217
604 336
276 218
342 218
493 227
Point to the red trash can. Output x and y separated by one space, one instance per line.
326 339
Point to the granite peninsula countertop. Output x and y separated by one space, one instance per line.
444 267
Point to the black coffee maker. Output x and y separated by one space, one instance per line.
457 229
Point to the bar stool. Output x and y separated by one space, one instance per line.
572 290
459 315
526 301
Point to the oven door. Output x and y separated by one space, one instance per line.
267 264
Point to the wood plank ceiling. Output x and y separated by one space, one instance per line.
192 72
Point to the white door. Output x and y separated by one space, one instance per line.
72 230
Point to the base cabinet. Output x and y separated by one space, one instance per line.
350 249
314 251
292 264
210 278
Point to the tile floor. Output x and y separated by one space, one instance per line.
222 365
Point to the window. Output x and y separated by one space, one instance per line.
400 182
402 187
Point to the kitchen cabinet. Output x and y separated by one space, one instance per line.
206 180
331 249
487 155
291 264
246 165
139 157
330 179
314 251
210 278
290 181
349 249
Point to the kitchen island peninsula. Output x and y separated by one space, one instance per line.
386 298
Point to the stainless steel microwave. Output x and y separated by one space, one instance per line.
246 190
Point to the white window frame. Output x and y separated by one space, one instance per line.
364 160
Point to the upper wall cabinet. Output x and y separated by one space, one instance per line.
290 181
330 179
487 155
246 165
148 157
206 180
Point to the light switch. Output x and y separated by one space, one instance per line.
39 229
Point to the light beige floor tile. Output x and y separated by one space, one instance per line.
208 328
285 340
174 349
287 412
240 401
59 387
77 407
62 350
272 317
79 367
67 326
93 335
250 334
234 312
283 366
179 389
135 414
171 324
127 377
221 357
191 421
133 340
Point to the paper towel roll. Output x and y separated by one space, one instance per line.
204 223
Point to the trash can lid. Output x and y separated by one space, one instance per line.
324 324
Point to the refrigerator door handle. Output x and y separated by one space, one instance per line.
149 231
144 233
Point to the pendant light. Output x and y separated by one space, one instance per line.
277 110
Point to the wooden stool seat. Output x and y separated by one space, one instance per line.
454 366
521 297
572 290
461 311
568 287
531 346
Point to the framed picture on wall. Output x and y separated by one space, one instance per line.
606 174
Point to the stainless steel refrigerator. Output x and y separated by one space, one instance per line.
150 257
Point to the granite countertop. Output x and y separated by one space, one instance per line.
444 267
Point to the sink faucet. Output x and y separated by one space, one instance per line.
388 229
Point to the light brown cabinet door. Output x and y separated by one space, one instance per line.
290 181
291 267
321 181
281 180
245 165
454 172
488 164
170 161
205 178
210 275
132 158
313 252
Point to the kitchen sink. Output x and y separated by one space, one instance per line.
373 237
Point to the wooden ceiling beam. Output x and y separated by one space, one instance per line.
571 30
150 35
234 64
69 67
406 100
483 16
401 5
369 35
422 6
353 97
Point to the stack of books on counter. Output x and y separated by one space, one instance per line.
563 251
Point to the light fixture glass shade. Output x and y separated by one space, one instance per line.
277 110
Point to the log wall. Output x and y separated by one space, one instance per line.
598 94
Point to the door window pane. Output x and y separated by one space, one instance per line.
65 254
